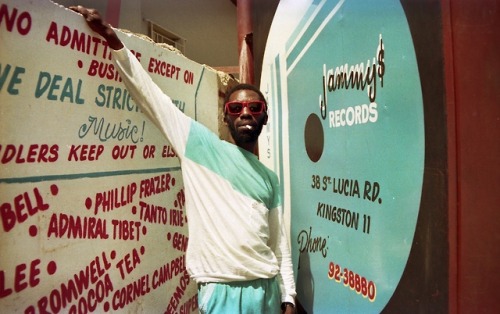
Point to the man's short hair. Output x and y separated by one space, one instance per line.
244 86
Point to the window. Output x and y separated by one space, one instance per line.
160 35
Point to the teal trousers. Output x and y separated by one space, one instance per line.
260 296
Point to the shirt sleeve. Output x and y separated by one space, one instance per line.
154 103
279 244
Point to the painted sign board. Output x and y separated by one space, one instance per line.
346 135
91 195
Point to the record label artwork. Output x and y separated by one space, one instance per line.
346 110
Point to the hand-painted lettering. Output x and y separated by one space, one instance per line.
180 104
168 271
155 185
56 87
363 287
347 187
371 191
128 294
94 280
176 217
178 293
75 227
163 68
115 98
310 244
34 153
22 206
24 276
181 199
123 151
148 151
339 215
104 70
353 115
114 198
85 152
105 131
190 306
126 229
15 78
188 77
168 152
359 77
180 242
153 213
82 42
21 22
129 262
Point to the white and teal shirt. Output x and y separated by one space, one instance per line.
233 203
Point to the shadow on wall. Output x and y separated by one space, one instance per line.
305 285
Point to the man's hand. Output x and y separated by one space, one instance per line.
97 24
287 308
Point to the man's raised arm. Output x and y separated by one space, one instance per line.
98 25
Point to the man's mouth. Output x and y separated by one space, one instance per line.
246 127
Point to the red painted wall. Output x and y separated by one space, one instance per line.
471 41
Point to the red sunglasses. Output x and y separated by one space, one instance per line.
235 108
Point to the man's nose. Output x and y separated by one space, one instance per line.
246 111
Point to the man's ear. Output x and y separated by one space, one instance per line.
265 120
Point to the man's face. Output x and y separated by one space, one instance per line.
246 126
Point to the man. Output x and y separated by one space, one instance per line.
238 251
